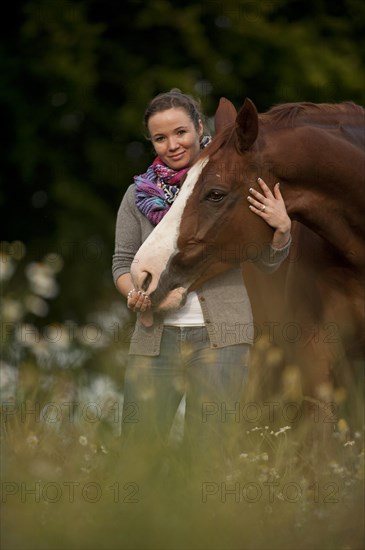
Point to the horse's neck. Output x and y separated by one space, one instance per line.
348 126
339 225
325 189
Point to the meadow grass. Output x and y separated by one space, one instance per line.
67 484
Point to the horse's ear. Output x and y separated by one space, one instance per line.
225 114
247 125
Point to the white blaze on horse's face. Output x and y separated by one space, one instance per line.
158 249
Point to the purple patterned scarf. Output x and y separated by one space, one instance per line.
157 188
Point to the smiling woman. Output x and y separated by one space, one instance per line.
187 344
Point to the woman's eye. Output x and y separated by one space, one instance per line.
215 196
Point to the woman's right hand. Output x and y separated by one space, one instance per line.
138 301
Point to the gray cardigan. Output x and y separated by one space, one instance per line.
224 300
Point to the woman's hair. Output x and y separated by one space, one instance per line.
174 99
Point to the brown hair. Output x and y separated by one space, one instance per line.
174 99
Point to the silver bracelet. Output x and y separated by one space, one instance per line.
129 295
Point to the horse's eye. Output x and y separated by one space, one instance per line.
215 196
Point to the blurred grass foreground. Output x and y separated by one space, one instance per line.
66 484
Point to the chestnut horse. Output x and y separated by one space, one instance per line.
317 152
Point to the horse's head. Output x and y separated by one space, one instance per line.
210 226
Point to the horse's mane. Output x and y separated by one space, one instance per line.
219 140
287 115
290 114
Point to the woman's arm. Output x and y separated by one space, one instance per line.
124 284
127 241
271 208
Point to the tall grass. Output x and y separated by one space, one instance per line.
67 482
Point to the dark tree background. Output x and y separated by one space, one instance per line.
76 76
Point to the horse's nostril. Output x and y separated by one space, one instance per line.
147 281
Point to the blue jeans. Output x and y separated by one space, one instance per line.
212 380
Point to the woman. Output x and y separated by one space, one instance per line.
176 355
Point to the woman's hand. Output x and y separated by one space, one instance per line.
271 208
138 301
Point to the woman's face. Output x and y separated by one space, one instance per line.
174 137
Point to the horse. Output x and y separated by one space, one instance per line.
317 153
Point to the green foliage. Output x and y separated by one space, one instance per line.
76 77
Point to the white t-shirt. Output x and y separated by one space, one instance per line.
190 315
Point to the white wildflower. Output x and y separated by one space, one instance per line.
57 335
54 261
41 279
32 440
8 382
36 305
83 440
11 310
27 334
7 267
282 430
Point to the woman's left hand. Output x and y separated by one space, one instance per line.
271 208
